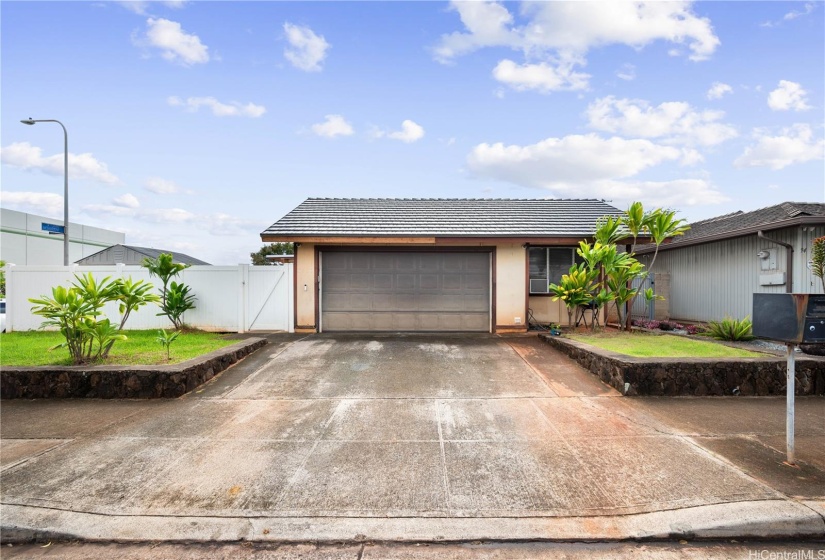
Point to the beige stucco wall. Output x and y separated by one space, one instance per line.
545 310
305 275
511 285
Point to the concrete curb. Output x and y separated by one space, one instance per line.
771 519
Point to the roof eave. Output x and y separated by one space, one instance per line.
800 221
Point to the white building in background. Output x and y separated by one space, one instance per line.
28 239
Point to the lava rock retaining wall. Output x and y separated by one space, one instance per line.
693 376
121 382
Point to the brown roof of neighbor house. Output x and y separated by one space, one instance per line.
737 224
146 252
441 217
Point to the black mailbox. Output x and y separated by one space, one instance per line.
791 318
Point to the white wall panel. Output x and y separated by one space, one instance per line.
715 280
229 298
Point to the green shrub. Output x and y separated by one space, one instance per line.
175 299
731 329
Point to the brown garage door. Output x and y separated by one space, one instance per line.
387 291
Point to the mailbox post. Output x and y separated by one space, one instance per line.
792 319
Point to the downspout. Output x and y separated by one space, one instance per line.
788 258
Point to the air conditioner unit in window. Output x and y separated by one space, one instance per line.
538 286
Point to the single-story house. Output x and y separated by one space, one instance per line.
129 254
717 266
431 264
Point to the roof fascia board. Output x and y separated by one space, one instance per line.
338 239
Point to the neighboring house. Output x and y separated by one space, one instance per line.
717 266
29 239
431 264
129 254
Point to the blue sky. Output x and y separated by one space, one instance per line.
195 125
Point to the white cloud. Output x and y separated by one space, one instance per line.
789 95
150 215
162 186
718 90
488 25
306 50
627 72
556 36
127 200
674 122
410 132
591 166
334 125
50 204
793 145
141 7
175 44
231 109
81 166
219 223
167 215
225 224
570 159
542 77
793 14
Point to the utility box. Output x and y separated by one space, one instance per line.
790 318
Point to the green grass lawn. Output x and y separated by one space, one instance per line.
643 345
31 348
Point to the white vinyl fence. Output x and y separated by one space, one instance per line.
229 298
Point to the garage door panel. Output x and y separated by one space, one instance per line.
396 291
383 282
476 263
360 261
447 303
383 262
477 322
473 304
336 282
451 282
336 261
475 282
405 281
405 302
405 321
428 282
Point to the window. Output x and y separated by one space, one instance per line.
547 265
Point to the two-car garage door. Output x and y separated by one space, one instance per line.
405 291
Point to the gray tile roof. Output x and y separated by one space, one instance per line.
741 223
107 254
177 257
441 217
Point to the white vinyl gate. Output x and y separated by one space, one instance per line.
229 298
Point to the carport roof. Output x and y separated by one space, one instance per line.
440 217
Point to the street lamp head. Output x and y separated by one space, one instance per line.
28 121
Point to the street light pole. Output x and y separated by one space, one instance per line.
31 121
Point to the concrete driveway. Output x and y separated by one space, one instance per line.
380 437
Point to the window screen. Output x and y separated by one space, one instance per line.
547 265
